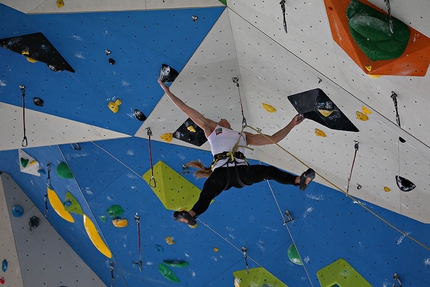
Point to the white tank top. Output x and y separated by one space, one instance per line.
223 140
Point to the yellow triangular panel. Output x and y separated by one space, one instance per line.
342 274
173 190
256 277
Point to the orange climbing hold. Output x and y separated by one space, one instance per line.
361 116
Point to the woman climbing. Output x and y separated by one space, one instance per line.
230 167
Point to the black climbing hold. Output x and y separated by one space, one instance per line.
34 222
139 115
195 18
402 140
317 106
111 61
404 184
37 47
187 135
38 101
168 74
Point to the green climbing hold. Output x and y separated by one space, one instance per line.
293 255
63 170
223 2
24 162
167 273
371 30
176 263
103 218
72 205
115 211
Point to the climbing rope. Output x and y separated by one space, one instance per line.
24 142
152 182
288 229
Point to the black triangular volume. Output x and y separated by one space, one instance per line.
313 103
191 133
38 47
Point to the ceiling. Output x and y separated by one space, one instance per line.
245 39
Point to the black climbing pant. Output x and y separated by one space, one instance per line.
224 178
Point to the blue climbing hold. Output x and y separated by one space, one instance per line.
17 211
159 248
4 265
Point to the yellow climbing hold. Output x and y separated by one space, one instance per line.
114 106
269 108
169 240
167 137
216 249
120 222
58 206
361 116
60 3
95 237
387 189
191 129
368 68
31 60
374 76
320 133
325 113
366 110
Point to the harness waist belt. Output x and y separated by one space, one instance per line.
231 156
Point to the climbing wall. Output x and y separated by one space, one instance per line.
38 256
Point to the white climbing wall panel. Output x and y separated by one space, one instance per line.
43 129
40 258
275 64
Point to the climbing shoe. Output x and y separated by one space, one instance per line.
310 173
191 221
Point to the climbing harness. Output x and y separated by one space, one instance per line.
394 97
112 277
24 142
396 280
137 218
245 255
152 182
356 146
283 14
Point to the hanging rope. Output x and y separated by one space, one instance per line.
352 166
152 182
24 142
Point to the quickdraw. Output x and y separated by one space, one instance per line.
139 263
152 182
24 142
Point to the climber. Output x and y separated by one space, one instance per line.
230 167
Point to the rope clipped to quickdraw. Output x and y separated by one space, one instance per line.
283 14
48 184
244 124
24 142
352 167
152 182
137 218
245 255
